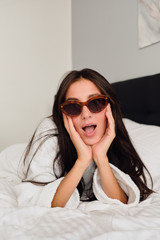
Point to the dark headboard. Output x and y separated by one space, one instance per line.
140 99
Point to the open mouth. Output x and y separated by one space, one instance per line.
89 129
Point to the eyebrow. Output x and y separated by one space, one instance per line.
90 96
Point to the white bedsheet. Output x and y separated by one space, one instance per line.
93 220
89 221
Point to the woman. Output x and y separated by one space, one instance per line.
90 135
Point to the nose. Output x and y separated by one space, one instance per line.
85 112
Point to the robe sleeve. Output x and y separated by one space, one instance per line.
126 183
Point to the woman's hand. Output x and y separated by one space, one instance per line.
73 177
84 151
109 183
100 149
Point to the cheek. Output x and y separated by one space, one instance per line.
75 121
103 120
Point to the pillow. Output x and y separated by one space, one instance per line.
146 140
9 161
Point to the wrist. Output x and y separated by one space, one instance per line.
101 162
82 165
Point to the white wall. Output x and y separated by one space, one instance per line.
105 38
35 51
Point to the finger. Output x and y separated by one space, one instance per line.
74 135
109 115
70 127
111 123
109 112
70 124
66 123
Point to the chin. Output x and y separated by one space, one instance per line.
91 142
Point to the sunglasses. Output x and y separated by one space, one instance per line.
74 108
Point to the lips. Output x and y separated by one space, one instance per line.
89 130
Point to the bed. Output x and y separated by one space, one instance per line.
95 220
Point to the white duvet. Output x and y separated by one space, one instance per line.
24 215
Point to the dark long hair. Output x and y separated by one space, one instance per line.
121 152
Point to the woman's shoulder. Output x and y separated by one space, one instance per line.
46 127
46 124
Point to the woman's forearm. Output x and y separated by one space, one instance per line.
68 185
109 183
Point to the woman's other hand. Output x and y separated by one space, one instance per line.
100 149
84 151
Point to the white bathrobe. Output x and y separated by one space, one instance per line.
41 170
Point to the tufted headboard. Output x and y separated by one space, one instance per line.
140 99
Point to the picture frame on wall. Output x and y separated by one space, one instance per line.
148 22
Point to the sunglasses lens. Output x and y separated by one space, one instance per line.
72 109
97 105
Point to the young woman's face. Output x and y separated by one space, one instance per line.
90 126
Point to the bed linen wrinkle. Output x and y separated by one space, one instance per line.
25 211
